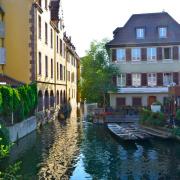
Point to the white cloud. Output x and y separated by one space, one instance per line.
86 20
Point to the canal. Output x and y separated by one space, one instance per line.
78 150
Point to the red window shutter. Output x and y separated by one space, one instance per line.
114 55
114 80
176 78
144 79
120 102
128 54
128 80
144 54
160 79
175 53
136 101
159 53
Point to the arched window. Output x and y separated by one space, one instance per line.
61 97
57 98
46 99
51 99
64 96
40 101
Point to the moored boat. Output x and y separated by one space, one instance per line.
127 132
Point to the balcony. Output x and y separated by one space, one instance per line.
2 30
143 90
2 56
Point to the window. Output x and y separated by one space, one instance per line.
72 77
136 54
68 74
46 33
64 73
57 41
167 79
167 53
51 38
121 54
39 27
140 33
152 80
46 65
61 72
151 54
136 80
75 63
51 68
72 60
39 2
64 50
162 32
57 71
120 102
136 101
121 80
61 47
46 4
40 64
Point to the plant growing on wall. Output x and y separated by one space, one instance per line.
7 100
18 104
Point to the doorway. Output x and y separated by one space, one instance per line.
151 100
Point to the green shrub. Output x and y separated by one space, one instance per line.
145 114
4 135
157 103
178 114
152 118
21 101
176 131
7 100
11 172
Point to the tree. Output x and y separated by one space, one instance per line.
96 74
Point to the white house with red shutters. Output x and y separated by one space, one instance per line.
147 52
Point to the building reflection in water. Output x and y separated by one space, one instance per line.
78 150
105 158
57 162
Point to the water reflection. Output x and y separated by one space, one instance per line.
104 158
77 151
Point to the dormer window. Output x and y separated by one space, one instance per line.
140 33
162 32
39 2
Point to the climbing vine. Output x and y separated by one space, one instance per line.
20 101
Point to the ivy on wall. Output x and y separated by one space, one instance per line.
20 101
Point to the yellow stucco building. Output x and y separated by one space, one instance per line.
35 48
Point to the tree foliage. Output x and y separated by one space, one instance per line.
96 73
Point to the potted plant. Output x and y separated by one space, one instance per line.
156 107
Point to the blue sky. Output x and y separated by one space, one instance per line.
88 20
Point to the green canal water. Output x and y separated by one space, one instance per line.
78 150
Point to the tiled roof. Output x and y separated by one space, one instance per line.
127 35
9 81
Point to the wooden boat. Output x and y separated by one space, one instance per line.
127 132
121 132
